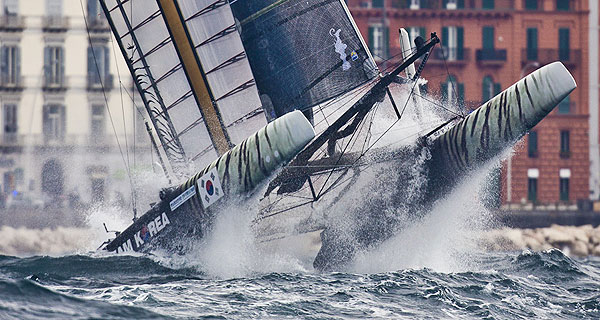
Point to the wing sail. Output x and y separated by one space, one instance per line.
302 52
194 116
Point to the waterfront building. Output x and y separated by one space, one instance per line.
486 46
67 122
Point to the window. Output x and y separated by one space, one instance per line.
531 4
487 4
98 65
95 13
11 7
564 189
564 176
452 91
453 42
489 89
54 67
564 107
532 44
532 189
565 150
98 123
487 38
10 69
414 32
377 3
54 123
563 5
10 122
378 41
563 44
532 144
54 8
415 4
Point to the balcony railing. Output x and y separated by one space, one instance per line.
55 24
491 56
98 24
12 23
94 83
450 55
49 140
447 5
10 82
570 57
57 83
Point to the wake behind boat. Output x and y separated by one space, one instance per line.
234 91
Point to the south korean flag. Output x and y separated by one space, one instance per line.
210 189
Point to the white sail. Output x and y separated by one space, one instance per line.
218 45
195 101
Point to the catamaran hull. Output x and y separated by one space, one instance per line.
474 141
186 210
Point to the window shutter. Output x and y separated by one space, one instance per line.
386 42
63 122
47 64
106 63
461 93
485 89
422 33
497 88
487 4
563 44
460 4
444 88
445 39
92 9
61 63
460 42
4 65
371 41
46 119
532 43
487 38
18 62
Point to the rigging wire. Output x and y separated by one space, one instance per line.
133 189
127 168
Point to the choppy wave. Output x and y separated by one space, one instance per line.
545 284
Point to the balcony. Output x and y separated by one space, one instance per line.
55 24
491 57
94 83
54 84
98 24
544 56
12 23
452 56
10 82
448 5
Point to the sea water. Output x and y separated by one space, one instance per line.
431 269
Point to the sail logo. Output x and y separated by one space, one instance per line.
145 233
209 187
182 198
340 48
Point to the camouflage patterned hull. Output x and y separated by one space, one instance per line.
498 124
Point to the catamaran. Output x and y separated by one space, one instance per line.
279 98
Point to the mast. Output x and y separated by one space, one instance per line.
191 66
290 182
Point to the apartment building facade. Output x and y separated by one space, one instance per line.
67 117
486 45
